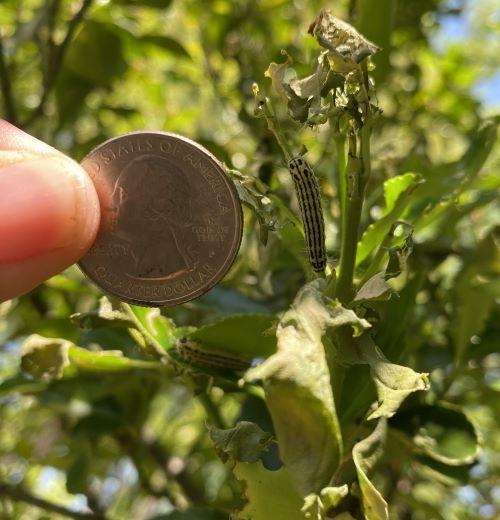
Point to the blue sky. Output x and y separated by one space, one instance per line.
456 28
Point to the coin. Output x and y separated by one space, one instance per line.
171 219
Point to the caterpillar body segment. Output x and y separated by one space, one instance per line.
307 189
194 354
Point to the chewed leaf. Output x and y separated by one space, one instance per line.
318 506
393 382
105 316
51 358
158 329
442 432
298 391
243 443
247 336
270 494
365 454
277 73
44 358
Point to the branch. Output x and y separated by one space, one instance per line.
57 61
6 87
19 494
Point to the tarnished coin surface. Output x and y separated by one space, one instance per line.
171 219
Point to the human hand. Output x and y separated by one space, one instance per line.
49 212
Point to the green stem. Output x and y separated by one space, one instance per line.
350 224
212 411
339 140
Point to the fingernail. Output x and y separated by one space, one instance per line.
46 203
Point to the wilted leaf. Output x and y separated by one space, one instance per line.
442 432
347 46
243 443
393 382
277 73
270 494
298 392
365 455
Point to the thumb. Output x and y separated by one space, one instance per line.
49 212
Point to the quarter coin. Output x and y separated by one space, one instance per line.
171 219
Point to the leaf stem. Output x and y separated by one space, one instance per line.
212 411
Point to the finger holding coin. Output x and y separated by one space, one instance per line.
171 222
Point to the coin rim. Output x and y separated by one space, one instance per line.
223 270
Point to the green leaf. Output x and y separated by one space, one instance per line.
96 54
270 494
474 295
434 470
45 358
243 443
166 43
49 358
195 513
376 288
78 471
442 432
365 455
375 20
158 329
159 4
398 192
247 336
298 392
104 316
106 361
393 382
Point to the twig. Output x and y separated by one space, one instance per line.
6 87
19 494
56 62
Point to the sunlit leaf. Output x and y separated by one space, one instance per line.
283 503
298 392
365 454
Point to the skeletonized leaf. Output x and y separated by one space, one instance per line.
243 443
298 391
365 455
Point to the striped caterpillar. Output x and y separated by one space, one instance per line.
194 354
307 189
